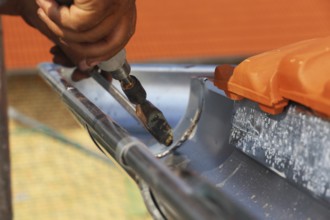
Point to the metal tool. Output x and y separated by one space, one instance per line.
150 116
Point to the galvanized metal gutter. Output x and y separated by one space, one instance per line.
134 156
201 176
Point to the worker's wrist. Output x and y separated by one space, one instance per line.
11 7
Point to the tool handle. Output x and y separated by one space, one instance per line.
114 63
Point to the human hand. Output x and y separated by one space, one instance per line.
90 31
59 57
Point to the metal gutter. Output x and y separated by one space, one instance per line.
205 177
133 155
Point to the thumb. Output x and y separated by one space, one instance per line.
59 57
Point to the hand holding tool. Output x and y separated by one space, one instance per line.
151 117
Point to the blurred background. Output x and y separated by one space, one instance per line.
57 172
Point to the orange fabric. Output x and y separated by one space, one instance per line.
299 72
193 29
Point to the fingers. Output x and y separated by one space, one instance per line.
89 31
111 44
95 34
80 16
59 57
78 75
69 58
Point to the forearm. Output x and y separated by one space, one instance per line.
10 7
27 9
89 31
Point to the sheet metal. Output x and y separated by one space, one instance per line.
295 144
205 171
